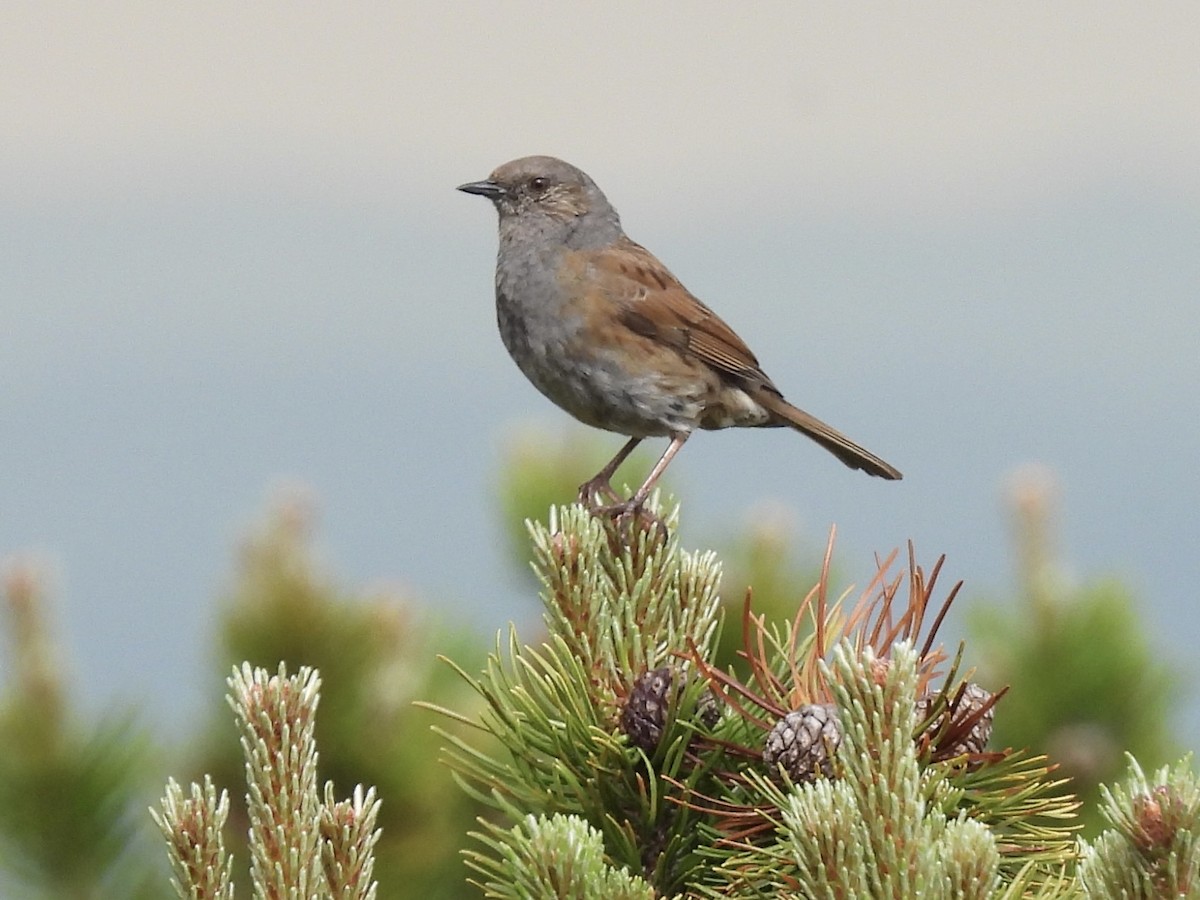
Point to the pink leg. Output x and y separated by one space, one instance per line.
635 502
599 485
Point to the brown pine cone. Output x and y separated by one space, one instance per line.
645 711
803 741
959 737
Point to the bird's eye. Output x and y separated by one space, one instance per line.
539 183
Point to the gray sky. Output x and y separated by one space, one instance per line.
931 110
232 254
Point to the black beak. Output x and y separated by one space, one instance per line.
489 189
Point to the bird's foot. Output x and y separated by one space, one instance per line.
597 489
630 516
622 510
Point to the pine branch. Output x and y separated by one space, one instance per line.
1153 847
349 837
277 715
551 856
300 848
874 830
192 828
851 761
622 601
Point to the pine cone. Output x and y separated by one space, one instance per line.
1156 820
960 738
803 741
709 708
645 711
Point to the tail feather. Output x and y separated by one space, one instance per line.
831 439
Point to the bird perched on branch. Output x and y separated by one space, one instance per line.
603 329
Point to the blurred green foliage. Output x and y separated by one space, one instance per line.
72 794
1086 684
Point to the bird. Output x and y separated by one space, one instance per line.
606 332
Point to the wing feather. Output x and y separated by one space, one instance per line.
655 304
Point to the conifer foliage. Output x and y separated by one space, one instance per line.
301 847
851 761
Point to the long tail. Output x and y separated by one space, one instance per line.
831 439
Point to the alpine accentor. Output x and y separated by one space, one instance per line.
604 330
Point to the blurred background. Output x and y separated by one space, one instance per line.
232 261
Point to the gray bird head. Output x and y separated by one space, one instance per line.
544 196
